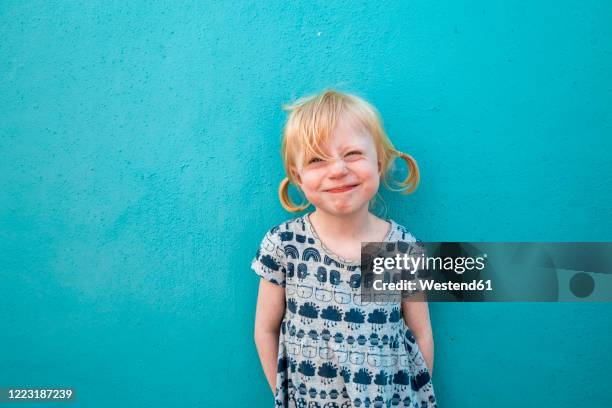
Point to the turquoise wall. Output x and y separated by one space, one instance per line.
139 164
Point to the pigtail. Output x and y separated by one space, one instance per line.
410 183
283 195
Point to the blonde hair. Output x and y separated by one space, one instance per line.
312 120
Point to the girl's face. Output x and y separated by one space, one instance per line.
348 182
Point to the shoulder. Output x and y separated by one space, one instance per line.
406 240
400 232
277 242
286 230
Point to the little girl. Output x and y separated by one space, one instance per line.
320 346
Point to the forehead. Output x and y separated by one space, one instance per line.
349 128
348 132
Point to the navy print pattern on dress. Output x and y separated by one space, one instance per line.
335 350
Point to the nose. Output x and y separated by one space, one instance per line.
338 168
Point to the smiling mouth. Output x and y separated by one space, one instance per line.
342 189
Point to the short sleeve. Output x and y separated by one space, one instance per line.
269 261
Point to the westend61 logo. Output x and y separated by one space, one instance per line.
487 271
402 269
400 264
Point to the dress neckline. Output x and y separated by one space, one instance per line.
332 254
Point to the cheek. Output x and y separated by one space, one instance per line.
366 171
311 186
310 182
368 174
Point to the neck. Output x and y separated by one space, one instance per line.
344 226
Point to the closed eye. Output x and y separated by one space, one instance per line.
352 153
314 160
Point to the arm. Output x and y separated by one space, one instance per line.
416 316
268 316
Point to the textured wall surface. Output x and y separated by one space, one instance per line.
139 163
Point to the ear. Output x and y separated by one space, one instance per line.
379 169
295 174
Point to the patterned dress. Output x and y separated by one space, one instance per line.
335 350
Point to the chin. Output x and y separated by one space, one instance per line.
345 208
